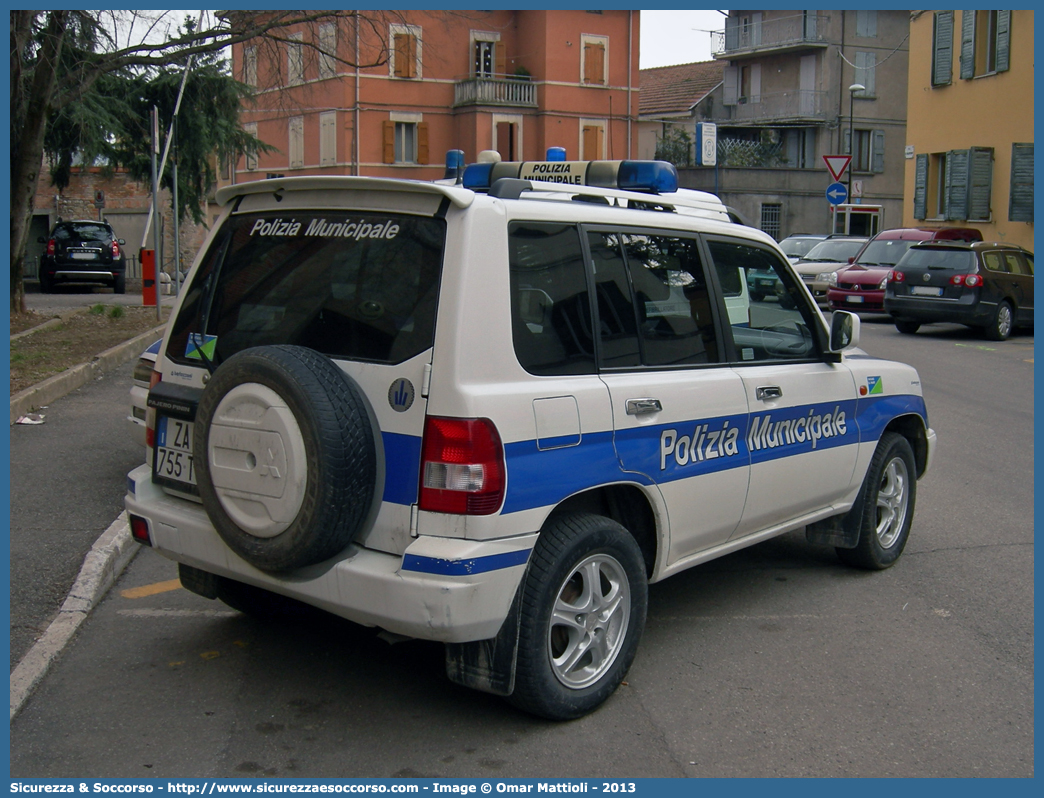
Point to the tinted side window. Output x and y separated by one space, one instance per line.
776 326
617 326
672 300
550 305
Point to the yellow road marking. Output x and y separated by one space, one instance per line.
151 590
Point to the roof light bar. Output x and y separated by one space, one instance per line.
656 177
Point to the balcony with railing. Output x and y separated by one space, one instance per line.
794 106
757 37
509 91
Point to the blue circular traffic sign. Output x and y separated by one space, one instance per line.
836 193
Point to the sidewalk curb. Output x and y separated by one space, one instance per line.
102 566
43 393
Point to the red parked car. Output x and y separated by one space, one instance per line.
862 285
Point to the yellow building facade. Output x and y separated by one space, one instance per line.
969 125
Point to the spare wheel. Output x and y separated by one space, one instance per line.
285 456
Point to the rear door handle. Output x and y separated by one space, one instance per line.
641 407
767 392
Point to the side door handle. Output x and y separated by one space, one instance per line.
767 392
641 407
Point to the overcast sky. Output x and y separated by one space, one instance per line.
677 37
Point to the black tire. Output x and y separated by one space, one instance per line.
46 284
1002 323
757 296
263 604
907 327
119 284
569 549
302 495
884 508
786 301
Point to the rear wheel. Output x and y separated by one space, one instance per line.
46 284
119 284
582 614
885 506
908 327
1000 326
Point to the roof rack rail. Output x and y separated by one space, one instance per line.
685 201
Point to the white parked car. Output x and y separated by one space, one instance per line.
139 392
491 415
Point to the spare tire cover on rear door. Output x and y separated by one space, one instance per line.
285 456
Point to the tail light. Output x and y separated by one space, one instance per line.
896 277
115 250
462 466
968 280
150 414
139 528
50 246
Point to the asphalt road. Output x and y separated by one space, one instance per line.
775 661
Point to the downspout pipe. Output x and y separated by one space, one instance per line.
630 66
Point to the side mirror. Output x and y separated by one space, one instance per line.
844 331
120 241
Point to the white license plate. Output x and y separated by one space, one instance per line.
925 290
172 461
83 255
856 299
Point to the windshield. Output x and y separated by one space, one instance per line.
884 252
836 251
796 247
357 286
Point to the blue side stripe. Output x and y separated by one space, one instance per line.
540 478
476 565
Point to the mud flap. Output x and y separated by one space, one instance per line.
839 531
488 665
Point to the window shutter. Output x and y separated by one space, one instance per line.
328 138
388 148
1003 40
755 84
251 152
967 44
405 55
296 132
942 51
755 29
957 184
1020 203
878 154
847 149
500 57
731 33
730 91
594 62
980 181
866 24
920 198
422 142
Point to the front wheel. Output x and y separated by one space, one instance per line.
907 327
582 614
885 506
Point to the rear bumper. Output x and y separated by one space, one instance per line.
958 311
442 589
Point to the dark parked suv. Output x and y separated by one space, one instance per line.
83 252
980 284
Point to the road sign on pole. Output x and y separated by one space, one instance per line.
836 193
837 164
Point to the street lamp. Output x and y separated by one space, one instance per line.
855 87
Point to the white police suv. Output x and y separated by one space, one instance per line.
490 414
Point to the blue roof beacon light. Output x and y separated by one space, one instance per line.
655 177
556 154
454 165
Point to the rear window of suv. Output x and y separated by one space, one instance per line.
75 231
360 286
